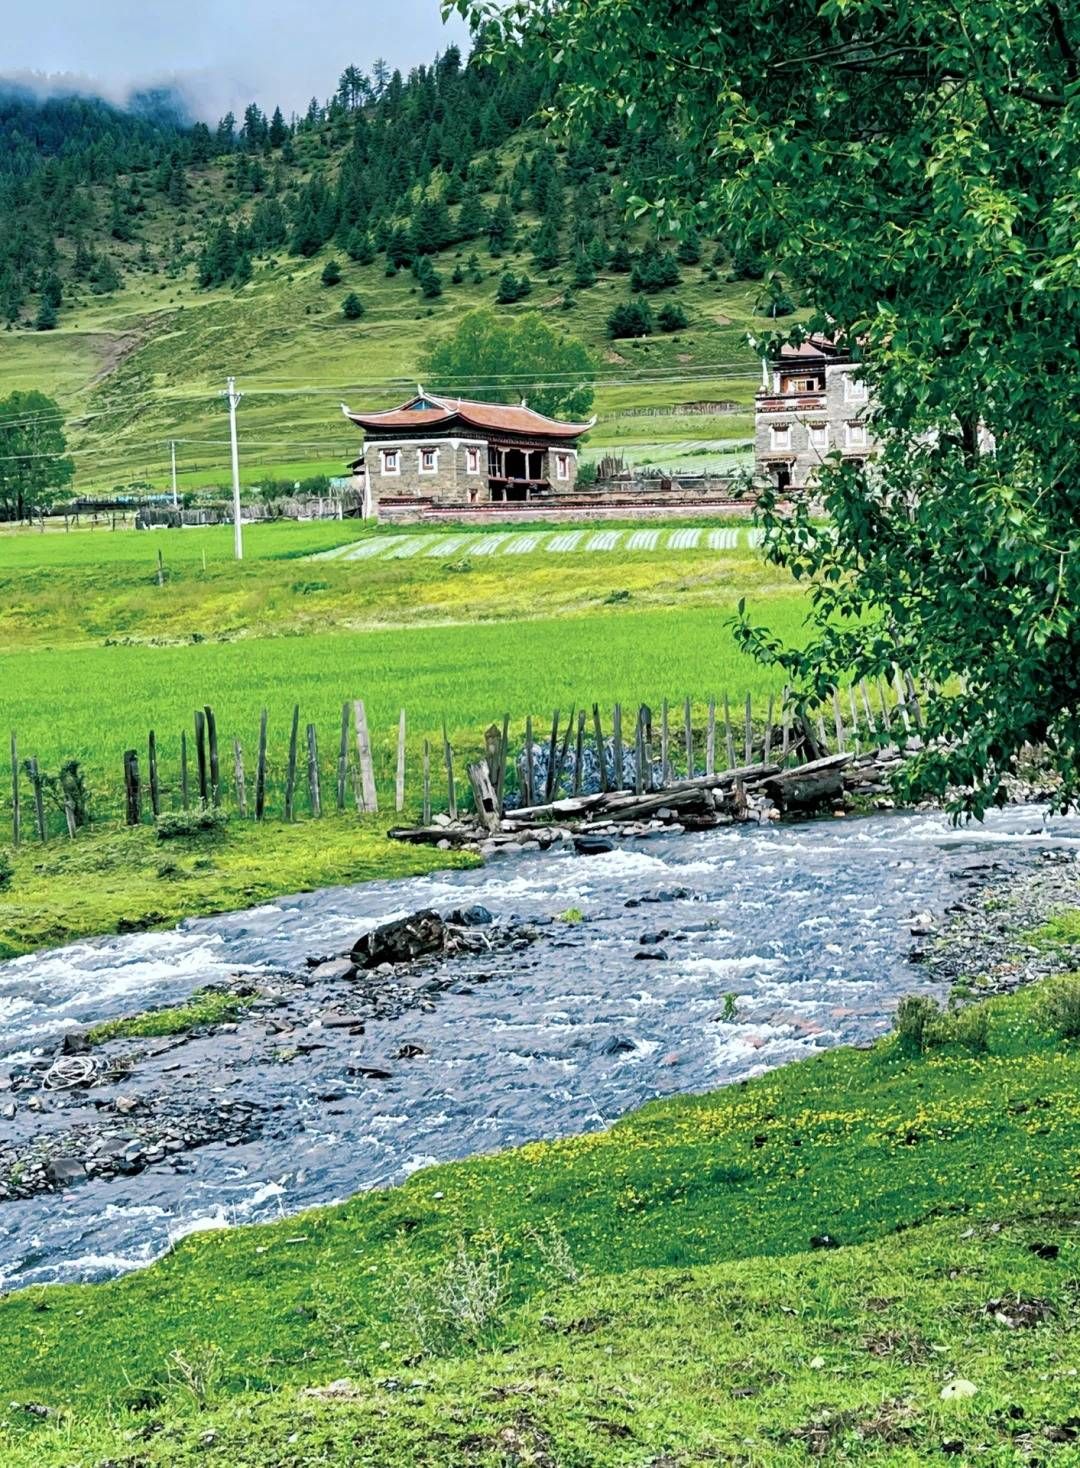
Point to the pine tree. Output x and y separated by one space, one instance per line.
621 262
500 227
278 131
546 245
352 307
46 316
360 246
584 271
430 226
218 259
472 216
331 273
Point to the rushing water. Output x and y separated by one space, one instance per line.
808 925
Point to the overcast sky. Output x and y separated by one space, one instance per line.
222 54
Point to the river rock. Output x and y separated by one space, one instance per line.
473 916
593 845
334 971
63 1171
401 941
76 1042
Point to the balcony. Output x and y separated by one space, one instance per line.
790 402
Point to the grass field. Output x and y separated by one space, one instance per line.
94 654
642 1295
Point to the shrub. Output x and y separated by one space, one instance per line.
632 318
586 473
6 871
914 1015
352 307
968 1027
459 1304
512 289
1061 1005
672 317
179 825
331 274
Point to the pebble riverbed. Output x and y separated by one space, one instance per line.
809 926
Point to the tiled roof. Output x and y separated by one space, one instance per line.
497 417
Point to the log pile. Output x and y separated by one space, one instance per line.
760 792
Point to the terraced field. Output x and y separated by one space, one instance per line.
514 543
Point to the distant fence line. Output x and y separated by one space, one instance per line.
644 751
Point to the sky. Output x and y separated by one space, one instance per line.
221 55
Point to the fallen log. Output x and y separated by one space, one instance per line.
432 835
808 785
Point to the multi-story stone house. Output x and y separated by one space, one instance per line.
812 404
435 453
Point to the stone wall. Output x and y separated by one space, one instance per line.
451 483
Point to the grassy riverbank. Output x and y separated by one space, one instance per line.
649 1294
94 653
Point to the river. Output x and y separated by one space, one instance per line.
809 926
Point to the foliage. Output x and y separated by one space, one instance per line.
34 467
203 820
630 318
1062 1005
672 317
913 170
352 307
512 288
331 273
654 269
205 1007
914 1015
523 351
6 871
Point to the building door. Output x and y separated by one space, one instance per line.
783 476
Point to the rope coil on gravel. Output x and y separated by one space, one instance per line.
70 1071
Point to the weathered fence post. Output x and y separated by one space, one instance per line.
885 714
748 732
427 783
399 779
215 765
766 747
260 770
563 749
598 731
369 795
728 736
131 787
343 758
639 753
314 791
552 774
838 721
290 773
155 790
160 569
665 746
200 755
238 771
39 802
504 753
579 753
688 731
487 804
617 748
527 792
184 793
448 757
15 814
710 740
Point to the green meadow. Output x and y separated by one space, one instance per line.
647 1294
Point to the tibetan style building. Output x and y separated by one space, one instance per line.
813 404
435 454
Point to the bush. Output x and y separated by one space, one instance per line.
179 825
914 1015
1061 1005
461 1303
6 871
331 274
512 289
352 307
921 1026
632 318
586 474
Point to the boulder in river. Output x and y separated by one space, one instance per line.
401 941
593 845
473 916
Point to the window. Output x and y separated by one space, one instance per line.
562 466
472 461
781 435
819 437
856 435
391 461
854 389
429 461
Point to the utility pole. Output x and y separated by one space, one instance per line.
172 447
238 535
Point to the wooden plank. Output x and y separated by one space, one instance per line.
913 700
901 701
710 739
527 793
238 774
451 788
200 756
785 732
579 754
563 751
884 702
290 774
399 780
39 800
748 731
16 832
854 716
838 722
766 748
343 757
185 794
212 747
665 744
314 789
260 770
618 782
639 754
553 748
688 735
646 744
427 782
504 755
871 724
728 736
363 751
155 788
132 790
823 743
599 733
487 803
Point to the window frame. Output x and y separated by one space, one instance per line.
385 468
818 428
421 455
562 466
853 442
776 430
472 459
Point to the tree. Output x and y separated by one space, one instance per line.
672 317
34 466
46 317
352 307
654 269
278 130
331 273
546 244
584 270
428 278
555 372
912 169
359 246
631 318
218 259
512 289
621 262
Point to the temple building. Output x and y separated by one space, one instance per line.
436 453
813 404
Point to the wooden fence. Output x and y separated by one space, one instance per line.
641 750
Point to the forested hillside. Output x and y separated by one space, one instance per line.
142 259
